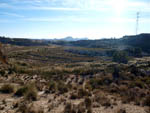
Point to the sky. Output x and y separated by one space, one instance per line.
93 19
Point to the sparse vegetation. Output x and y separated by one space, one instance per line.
103 100
69 108
83 93
7 88
51 77
62 87
120 57
121 111
21 91
53 86
31 93
88 103
26 108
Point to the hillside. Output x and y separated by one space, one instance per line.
49 79
21 41
140 41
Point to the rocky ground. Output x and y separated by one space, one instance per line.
42 81
54 102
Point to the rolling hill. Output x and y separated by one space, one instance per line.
140 41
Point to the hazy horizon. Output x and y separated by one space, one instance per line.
93 19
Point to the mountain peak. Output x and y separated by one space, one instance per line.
70 38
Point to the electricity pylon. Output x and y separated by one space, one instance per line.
137 22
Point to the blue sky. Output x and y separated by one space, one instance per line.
78 18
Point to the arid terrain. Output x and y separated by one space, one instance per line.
49 79
74 56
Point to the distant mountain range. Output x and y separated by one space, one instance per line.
69 38
73 39
141 41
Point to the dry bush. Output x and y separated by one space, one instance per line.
2 72
96 83
137 83
23 108
88 103
122 89
129 95
21 91
114 88
73 96
146 101
62 87
28 91
31 93
52 87
88 86
101 98
69 108
133 95
7 88
26 108
83 107
121 111
83 93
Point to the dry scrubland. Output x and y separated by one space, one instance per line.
48 79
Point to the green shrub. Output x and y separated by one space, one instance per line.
137 83
96 83
7 88
31 93
62 87
21 91
52 86
120 57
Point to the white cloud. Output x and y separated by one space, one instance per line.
117 6
11 14
53 4
43 19
5 5
54 8
62 19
